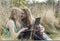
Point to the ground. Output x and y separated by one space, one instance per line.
55 36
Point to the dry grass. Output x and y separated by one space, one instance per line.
46 12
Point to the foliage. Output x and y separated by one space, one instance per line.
18 3
51 2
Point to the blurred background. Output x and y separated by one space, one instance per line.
48 10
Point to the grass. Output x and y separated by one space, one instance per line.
39 10
55 36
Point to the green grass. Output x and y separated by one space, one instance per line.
52 36
55 36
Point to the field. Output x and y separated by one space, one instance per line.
49 18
